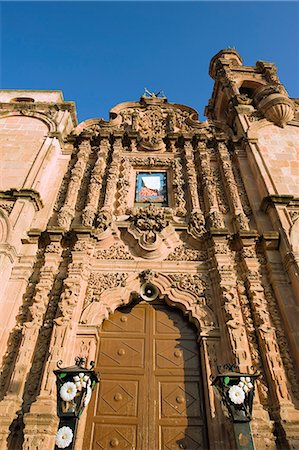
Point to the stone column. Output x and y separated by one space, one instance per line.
123 186
178 184
229 181
197 220
113 173
67 212
95 184
210 197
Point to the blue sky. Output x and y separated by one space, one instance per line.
103 53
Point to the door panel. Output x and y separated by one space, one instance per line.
149 396
178 438
118 397
180 399
176 354
120 437
115 352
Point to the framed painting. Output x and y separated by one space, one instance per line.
151 187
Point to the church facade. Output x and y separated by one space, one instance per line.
205 213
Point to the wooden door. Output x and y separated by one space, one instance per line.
149 396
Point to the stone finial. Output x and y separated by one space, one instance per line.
272 100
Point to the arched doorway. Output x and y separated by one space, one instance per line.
150 394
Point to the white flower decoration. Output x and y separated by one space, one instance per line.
88 396
236 395
64 437
68 391
81 380
245 384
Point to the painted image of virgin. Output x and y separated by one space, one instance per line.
151 187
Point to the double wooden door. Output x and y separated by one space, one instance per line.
149 396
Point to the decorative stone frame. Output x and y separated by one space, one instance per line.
147 164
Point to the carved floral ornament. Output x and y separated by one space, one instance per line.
108 291
150 234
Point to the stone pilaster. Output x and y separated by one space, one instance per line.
283 395
61 346
13 400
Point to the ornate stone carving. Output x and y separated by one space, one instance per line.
273 101
242 192
253 343
83 246
154 121
230 182
215 220
103 220
294 214
191 175
150 221
148 276
221 197
178 183
99 282
195 284
95 184
110 188
123 186
264 308
116 251
150 161
67 211
53 247
197 224
7 205
185 253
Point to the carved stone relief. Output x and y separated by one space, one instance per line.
7 205
185 253
153 122
99 282
116 251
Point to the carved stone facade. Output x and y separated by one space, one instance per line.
219 240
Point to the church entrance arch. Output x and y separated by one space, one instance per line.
150 395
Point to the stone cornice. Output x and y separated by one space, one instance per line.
28 194
271 200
